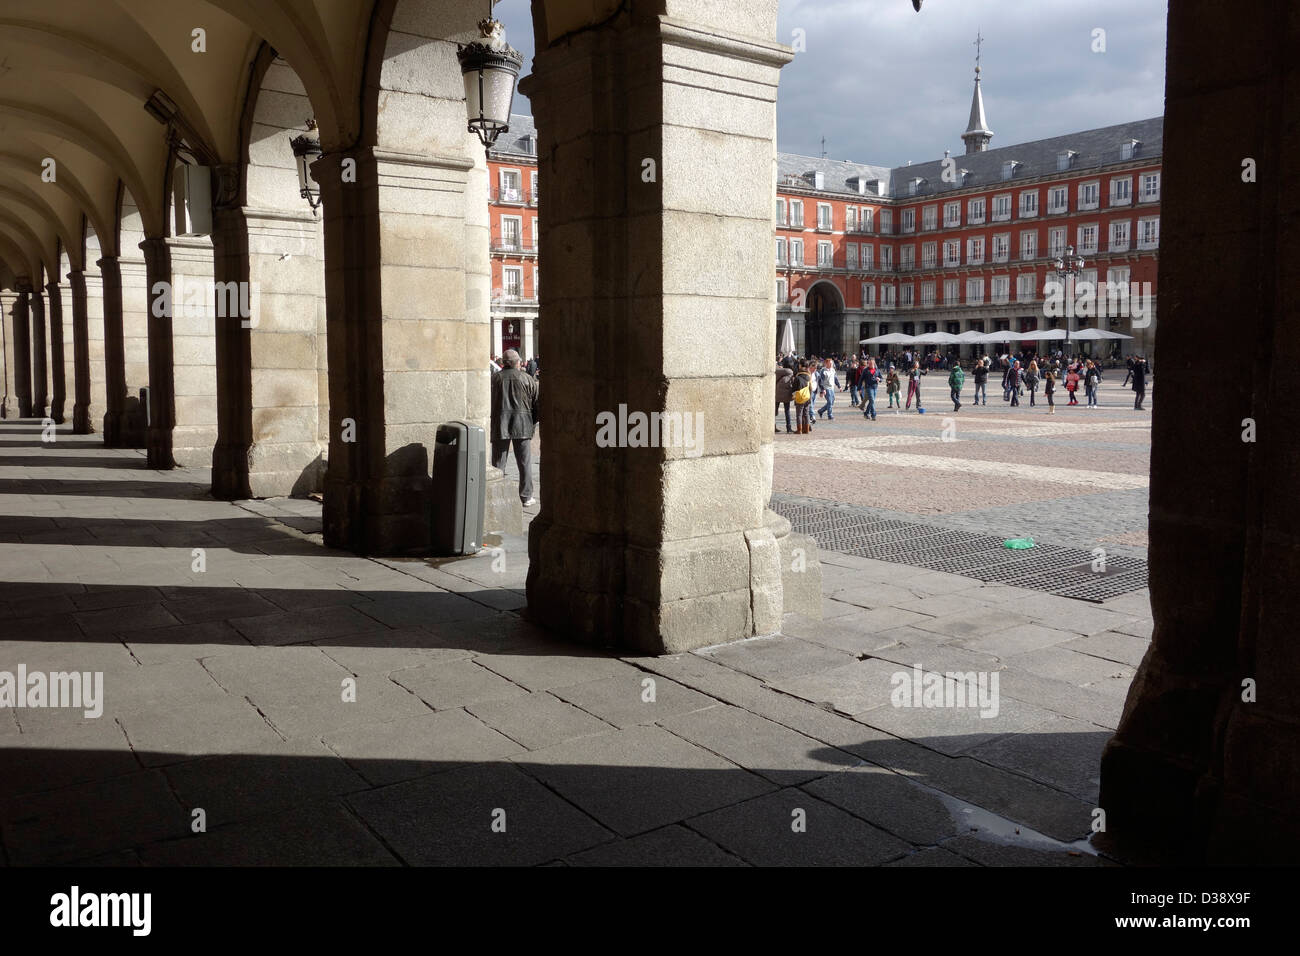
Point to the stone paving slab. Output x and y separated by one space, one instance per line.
225 690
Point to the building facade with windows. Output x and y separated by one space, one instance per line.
969 242
513 210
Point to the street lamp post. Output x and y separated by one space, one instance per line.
1069 266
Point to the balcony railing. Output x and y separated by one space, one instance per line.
508 245
514 196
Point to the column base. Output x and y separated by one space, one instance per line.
696 592
83 422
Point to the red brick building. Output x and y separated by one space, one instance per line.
512 209
969 242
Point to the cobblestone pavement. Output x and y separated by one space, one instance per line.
1078 478
320 707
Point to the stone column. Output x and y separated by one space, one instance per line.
40 356
162 376
135 348
198 307
23 348
114 351
661 303
81 421
8 395
1205 759
407 308
58 358
268 365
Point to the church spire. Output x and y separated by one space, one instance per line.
977 133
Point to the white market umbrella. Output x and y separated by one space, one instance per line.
1047 335
937 338
971 336
1096 335
893 338
787 337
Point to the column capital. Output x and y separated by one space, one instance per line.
23 285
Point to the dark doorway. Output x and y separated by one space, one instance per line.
824 330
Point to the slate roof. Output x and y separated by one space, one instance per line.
515 140
1094 148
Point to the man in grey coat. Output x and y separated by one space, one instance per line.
514 418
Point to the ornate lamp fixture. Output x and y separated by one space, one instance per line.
490 67
306 150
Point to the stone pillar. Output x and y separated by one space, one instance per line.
407 306
8 395
198 307
135 348
527 341
1205 762
23 348
268 367
661 303
162 376
40 356
114 351
81 420
59 359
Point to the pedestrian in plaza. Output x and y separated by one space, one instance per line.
1006 379
914 385
1091 381
892 388
827 382
956 379
532 367
1072 384
784 394
801 393
1139 383
1049 389
870 382
514 419
981 376
1031 380
854 375
1129 374
1013 382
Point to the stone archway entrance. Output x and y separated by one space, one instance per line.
824 326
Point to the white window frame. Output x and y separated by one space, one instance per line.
850 218
907 258
1150 193
869 295
951 252
825 217
506 295
1127 198
1086 238
519 234
782 216
796 213
973 217
929 253
908 299
929 218
975 291
908 220
927 295
825 254
951 291
975 251
1093 186
886 257
780 251
1029 204
1002 200
1056 241
1026 287
1054 207
1000 290
1028 244
782 292
518 189
1115 244
868 256
796 253
851 255
952 214
1144 227
1005 239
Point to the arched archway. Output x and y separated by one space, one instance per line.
824 323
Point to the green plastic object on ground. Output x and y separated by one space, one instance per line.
1018 543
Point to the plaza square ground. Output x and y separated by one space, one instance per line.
225 687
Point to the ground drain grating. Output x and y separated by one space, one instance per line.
1067 572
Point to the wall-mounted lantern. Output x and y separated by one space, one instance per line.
490 67
306 150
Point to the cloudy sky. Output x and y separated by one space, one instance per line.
886 85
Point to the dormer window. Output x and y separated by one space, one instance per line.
1009 168
1065 159
914 186
966 175
819 180
1130 149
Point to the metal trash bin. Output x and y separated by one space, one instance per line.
459 486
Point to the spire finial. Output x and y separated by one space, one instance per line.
979 40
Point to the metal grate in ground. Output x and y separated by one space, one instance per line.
1066 572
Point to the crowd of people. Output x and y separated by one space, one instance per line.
802 382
